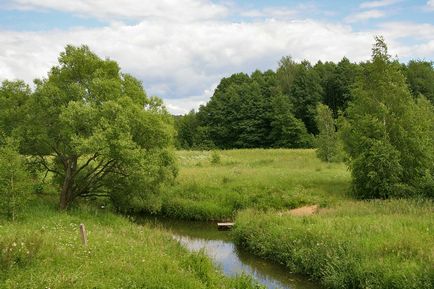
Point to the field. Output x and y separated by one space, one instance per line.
43 250
257 178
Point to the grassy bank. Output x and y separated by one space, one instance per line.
380 244
256 178
43 250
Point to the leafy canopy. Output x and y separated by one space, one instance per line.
388 136
97 132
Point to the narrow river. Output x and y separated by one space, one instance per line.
231 259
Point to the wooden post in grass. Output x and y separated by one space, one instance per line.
83 234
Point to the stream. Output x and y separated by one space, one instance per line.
231 259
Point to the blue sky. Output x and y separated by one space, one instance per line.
180 49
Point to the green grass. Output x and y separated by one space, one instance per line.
43 250
256 178
348 244
377 244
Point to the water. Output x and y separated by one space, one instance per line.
231 259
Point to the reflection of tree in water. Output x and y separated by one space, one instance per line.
271 273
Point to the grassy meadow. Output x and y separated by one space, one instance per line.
43 250
210 189
363 244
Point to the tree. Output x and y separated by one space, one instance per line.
286 130
420 75
221 114
305 94
251 111
238 114
328 144
97 132
286 73
186 127
190 133
13 98
387 135
15 185
338 84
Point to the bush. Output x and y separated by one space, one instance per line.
215 158
15 185
376 172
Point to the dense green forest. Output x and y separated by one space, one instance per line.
278 108
380 112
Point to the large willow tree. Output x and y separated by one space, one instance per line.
97 132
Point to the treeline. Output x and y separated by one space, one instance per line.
274 109
378 115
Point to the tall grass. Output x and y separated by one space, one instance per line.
256 178
43 250
378 244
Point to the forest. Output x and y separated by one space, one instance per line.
352 143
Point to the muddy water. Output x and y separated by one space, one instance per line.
231 259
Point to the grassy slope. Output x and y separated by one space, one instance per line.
44 251
255 178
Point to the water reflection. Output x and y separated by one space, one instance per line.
232 260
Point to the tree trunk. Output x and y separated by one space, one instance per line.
66 194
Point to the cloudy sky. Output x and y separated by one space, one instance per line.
180 49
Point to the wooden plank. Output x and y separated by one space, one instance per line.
225 226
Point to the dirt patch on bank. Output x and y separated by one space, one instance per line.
302 211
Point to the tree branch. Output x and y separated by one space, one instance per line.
44 163
95 155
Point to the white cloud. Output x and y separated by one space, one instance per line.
183 61
430 4
181 10
364 15
380 3
271 12
177 61
398 30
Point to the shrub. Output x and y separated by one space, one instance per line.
15 185
215 158
377 172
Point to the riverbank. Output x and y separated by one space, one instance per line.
347 244
210 188
377 244
43 250
231 259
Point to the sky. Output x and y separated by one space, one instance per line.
180 49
